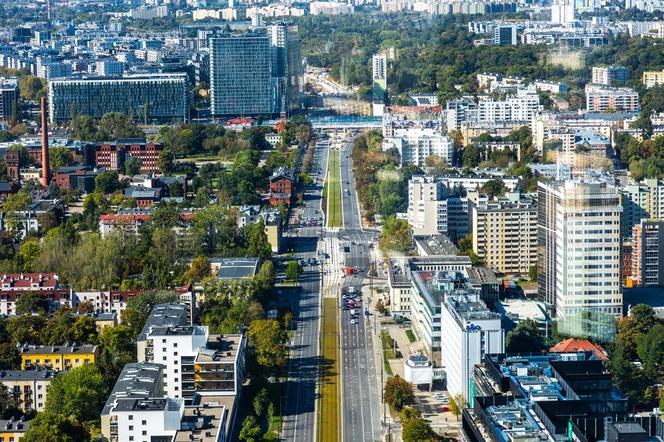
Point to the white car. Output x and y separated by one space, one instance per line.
353 321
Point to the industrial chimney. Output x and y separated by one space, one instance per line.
46 172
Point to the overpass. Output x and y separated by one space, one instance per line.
346 122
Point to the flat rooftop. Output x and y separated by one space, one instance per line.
439 245
151 404
140 380
205 420
235 268
220 348
169 315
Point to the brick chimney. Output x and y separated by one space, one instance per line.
46 172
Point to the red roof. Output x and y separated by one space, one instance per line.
573 345
28 281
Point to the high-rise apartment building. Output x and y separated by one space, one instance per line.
504 34
562 11
415 144
640 200
504 231
159 97
579 256
379 77
286 65
258 73
8 97
610 75
648 253
433 208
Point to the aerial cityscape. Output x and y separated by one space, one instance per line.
332 221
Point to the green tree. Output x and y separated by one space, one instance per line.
260 401
525 338
27 255
59 157
32 302
25 329
257 243
139 308
55 427
199 269
10 357
251 430
268 342
166 161
417 430
650 348
398 392
293 270
396 236
117 348
80 393
457 404
132 166
494 188
84 330
107 182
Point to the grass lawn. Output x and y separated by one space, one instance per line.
328 405
333 187
410 335
388 351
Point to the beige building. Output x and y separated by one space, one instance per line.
505 231
29 387
652 78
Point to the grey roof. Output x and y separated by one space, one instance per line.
14 426
167 315
236 268
26 375
139 380
58 349
436 245
150 404
481 275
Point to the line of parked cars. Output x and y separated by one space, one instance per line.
352 301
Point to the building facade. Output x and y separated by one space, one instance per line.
648 253
579 256
610 75
606 98
155 97
8 97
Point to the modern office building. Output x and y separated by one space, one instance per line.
504 231
610 75
648 253
241 80
159 97
601 98
579 256
8 97
379 78
505 34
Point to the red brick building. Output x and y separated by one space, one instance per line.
112 156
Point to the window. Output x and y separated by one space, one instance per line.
131 428
144 433
131 417
144 422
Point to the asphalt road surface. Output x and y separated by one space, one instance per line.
361 400
299 410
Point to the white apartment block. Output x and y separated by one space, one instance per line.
562 11
521 107
609 75
471 331
601 98
504 231
416 144
427 206
145 420
643 200
579 255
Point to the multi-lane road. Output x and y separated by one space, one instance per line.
361 400
360 405
299 411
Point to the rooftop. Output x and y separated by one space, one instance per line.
235 268
58 349
150 404
439 245
26 375
138 380
172 314
220 348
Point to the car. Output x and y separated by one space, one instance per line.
353 321
353 312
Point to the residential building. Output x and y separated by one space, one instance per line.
601 98
379 77
640 200
427 206
241 81
400 276
287 68
562 11
135 419
109 68
520 107
24 222
579 256
235 268
58 357
648 253
572 345
504 231
330 8
415 144
8 97
28 387
113 155
471 332
13 430
282 183
652 78
153 97
81 178
161 316
610 75
139 380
